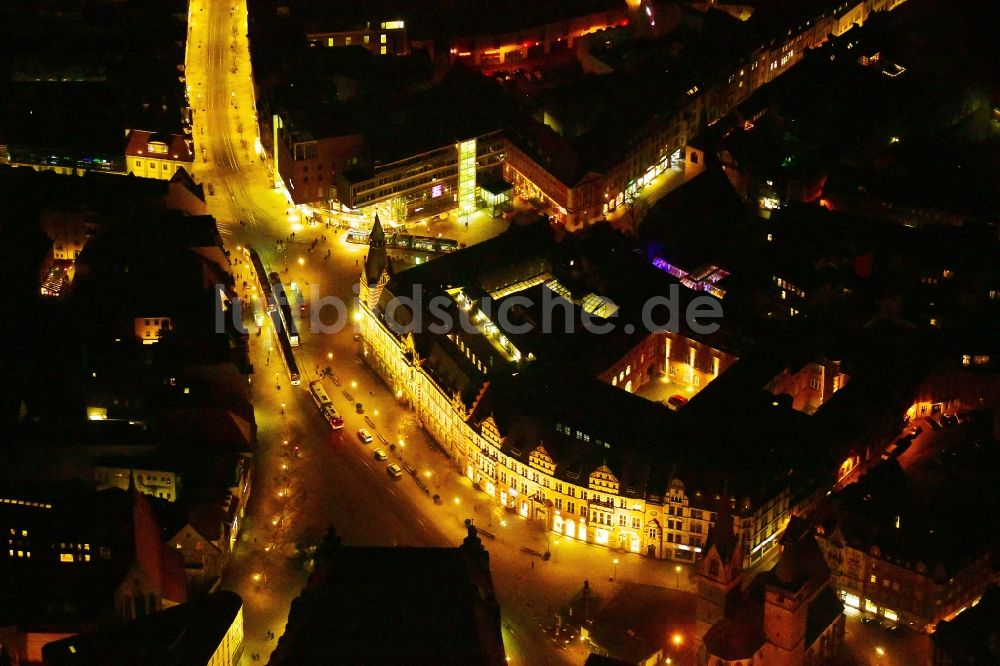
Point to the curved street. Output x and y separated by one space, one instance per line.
307 476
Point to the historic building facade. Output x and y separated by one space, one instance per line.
590 505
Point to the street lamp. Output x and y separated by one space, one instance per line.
615 574
677 640
677 576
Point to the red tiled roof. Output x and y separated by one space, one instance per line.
177 146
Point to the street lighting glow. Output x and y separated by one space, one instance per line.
256 577
329 355
458 501
357 315
302 262
354 384
880 650
677 639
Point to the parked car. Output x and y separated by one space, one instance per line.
889 627
890 451
365 436
395 471
933 423
676 401
380 454
902 445
915 432
949 420
868 619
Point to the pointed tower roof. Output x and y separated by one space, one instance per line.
146 535
376 262
377 237
721 536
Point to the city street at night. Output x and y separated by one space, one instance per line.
569 333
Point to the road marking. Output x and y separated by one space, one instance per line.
392 491
421 523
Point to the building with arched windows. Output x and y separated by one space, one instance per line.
622 438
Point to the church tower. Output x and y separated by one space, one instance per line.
719 571
377 268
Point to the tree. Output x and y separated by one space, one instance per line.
635 209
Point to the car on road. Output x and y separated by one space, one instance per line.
365 436
933 423
380 454
395 471
915 432
868 619
890 451
902 445
949 420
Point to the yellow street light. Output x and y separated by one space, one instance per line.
256 577
302 261
880 650
677 640
329 355
458 501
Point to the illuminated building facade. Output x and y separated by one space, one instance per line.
158 156
425 184
897 544
308 164
542 165
494 51
388 39
569 461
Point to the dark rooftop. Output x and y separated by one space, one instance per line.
367 605
189 633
